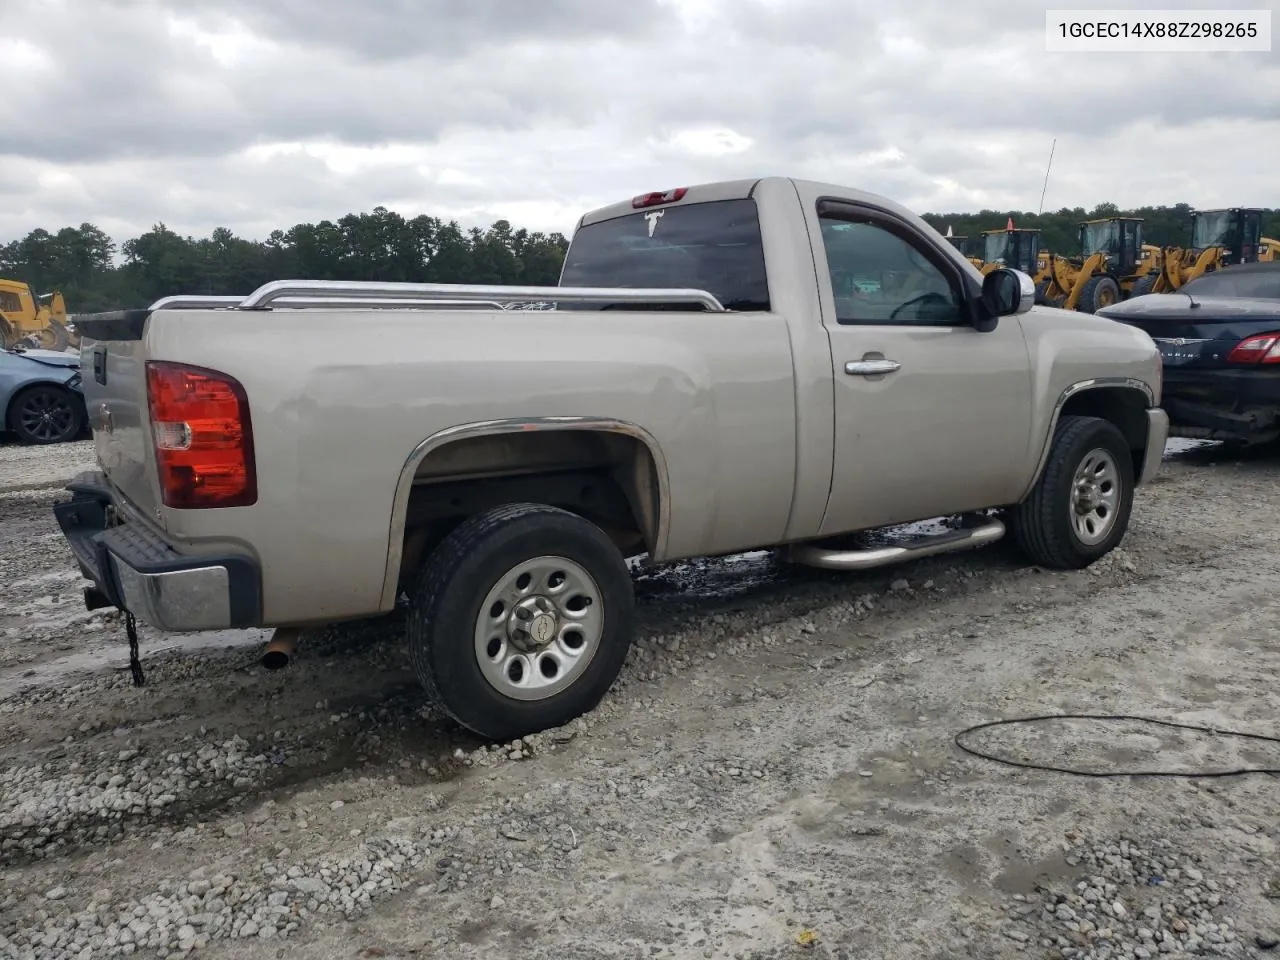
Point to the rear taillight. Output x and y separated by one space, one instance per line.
203 439
1263 348
658 198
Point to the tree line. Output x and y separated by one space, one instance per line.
82 261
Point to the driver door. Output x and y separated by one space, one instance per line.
932 417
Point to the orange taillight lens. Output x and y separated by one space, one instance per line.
203 438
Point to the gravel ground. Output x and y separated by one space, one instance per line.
42 467
775 775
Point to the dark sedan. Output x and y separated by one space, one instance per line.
1220 339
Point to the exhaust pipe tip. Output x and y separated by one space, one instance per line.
275 659
279 650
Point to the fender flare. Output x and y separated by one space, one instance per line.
488 428
1080 386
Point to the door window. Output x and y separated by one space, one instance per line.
879 278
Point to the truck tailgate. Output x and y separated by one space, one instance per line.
113 370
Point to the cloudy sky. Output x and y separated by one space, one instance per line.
258 114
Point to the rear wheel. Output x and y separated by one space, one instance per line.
1079 509
46 413
1100 291
521 620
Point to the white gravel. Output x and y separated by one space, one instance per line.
773 777
33 467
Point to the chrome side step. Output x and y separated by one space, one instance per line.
812 555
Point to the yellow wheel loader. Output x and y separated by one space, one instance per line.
1113 264
1018 248
24 316
1219 238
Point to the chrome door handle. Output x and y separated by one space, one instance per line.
870 368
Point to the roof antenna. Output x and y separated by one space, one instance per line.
1046 175
1194 305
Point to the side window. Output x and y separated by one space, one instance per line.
879 278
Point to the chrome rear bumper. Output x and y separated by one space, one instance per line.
134 568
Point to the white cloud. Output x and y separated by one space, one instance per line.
258 114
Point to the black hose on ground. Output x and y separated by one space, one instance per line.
1192 774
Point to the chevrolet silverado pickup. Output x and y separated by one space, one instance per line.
765 363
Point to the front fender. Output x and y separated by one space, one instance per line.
1073 353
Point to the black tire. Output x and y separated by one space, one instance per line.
57 336
1143 286
447 597
1042 290
46 413
1099 291
1043 524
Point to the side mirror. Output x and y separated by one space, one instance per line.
1006 291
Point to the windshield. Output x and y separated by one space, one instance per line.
1226 283
997 246
1100 238
1213 230
712 246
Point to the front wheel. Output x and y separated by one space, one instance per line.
521 620
53 337
1079 509
46 413
1099 291
1143 286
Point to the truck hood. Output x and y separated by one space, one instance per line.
1071 319
1178 307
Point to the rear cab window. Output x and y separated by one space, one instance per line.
714 246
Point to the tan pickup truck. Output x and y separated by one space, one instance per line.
731 366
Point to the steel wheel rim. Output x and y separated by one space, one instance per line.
1095 497
539 627
46 415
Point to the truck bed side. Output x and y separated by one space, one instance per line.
336 424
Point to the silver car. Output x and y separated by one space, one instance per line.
40 397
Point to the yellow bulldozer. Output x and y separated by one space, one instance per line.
1112 264
24 316
1219 238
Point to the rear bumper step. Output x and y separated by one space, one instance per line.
135 569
